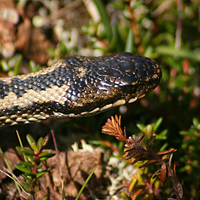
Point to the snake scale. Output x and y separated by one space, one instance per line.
77 86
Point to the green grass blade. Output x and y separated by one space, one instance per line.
183 53
129 42
88 178
17 65
104 17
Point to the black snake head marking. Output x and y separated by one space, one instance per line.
77 86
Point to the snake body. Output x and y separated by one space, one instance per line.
77 86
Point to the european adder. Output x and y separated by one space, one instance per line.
77 86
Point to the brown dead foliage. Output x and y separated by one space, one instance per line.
136 151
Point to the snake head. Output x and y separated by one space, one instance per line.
129 75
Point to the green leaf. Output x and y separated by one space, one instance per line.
157 124
28 164
162 135
38 175
45 198
45 140
164 146
44 158
27 152
32 142
196 122
125 196
39 143
24 169
47 154
28 178
33 159
34 181
117 5
5 65
36 190
142 127
26 186
38 167
188 133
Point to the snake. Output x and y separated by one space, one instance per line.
77 86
